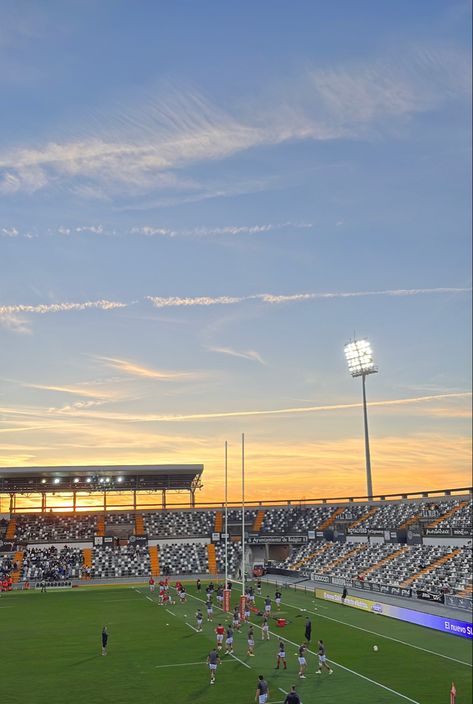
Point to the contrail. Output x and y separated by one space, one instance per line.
206 301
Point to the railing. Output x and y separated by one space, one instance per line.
253 503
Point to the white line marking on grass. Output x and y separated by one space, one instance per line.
194 629
171 612
242 662
183 664
381 635
353 672
150 599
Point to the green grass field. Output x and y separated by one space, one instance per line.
50 653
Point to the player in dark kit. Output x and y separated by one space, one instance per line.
323 660
104 640
292 697
281 655
262 691
308 629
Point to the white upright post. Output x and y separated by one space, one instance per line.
243 513
226 515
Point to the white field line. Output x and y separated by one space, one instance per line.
171 612
381 635
183 664
150 599
242 662
190 626
353 672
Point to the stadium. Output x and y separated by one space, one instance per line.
235 352
386 582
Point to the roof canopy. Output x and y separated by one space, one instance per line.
172 477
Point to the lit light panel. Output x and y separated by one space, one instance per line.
359 356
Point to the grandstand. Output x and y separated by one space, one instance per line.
414 549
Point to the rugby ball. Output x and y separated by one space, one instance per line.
375 648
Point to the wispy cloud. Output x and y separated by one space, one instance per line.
175 301
125 417
146 149
207 301
137 370
234 230
44 308
248 354
13 323
84 391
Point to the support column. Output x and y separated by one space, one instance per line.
164 500
11 503
74 502
43 503
193 498
134 500
104 500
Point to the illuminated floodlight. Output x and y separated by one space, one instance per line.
101 480
359 356
76 480
107 480
88 480
43 481
57 480
119 479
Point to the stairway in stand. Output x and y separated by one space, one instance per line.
101 526
430 568
139 524
154 560
305 559
87 563
344 558
19 561
218 525
385 560
11 530
211 559
448 514
332 518
364 517
258 522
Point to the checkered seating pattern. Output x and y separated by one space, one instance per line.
390 516
179 523
124 561
234 556
278 521
462 519
311 517
54 527
120 519
183 558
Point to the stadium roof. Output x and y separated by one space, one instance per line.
91 478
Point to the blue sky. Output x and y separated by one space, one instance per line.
200 203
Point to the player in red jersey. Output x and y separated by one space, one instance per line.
220 631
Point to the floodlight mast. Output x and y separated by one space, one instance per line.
359 356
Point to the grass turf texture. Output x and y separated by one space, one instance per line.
50 651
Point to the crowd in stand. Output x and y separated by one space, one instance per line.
51 564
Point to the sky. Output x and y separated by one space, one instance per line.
201 203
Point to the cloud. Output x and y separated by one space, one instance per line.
234 230
249 354
124 417
147 149
44 308
86 392
137 370
208 301
13 323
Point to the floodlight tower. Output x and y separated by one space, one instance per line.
359 356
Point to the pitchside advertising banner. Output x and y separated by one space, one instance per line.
463 629
458 602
